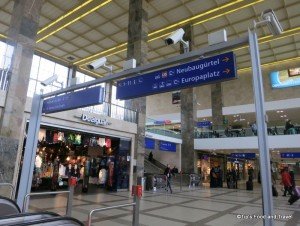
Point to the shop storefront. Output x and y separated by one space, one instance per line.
95 149
96 161
207 162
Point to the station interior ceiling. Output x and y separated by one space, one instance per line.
77 32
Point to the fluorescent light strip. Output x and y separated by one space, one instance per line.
271 64
102 53
196 17
73 21
177 24
3 36
96 74
64 16
227 12
52 56
269 38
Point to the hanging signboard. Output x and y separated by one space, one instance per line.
69 101
167 146
204 124
290 155
201 72
149 143
243 155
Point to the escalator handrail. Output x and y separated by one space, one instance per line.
28 214
48 220
12 202
12 187
3 219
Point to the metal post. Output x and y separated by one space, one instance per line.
136 211
70 201
180 181
261 130
30 149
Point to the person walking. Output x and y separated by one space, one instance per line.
168 174
286 181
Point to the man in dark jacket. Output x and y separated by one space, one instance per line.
168 175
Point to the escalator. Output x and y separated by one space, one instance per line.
25 217
54 221
10 215
8 207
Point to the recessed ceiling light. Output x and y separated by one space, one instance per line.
71 58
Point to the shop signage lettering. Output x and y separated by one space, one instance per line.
200 72
167 146
94 120
243 155
290 155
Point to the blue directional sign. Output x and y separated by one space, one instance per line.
167 146
204 124
69 101
243 155
290 155
149 143
201 72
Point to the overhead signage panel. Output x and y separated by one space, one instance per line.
243 155
149 143
290 155
201 72
167 146
69 101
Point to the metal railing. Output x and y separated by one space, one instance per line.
164 132
113 111
27 196
12 187
89 222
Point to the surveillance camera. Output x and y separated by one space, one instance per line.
49 80
97 63
175 37
273 24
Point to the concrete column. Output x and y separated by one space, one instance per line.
188 116
108 97
216 105
137 48
71 74
21 35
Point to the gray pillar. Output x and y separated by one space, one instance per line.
188 116
71 74
217 105
21 35
108 97
137 48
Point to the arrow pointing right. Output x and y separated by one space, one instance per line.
226 59
226 71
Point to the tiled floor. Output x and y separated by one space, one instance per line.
203 206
